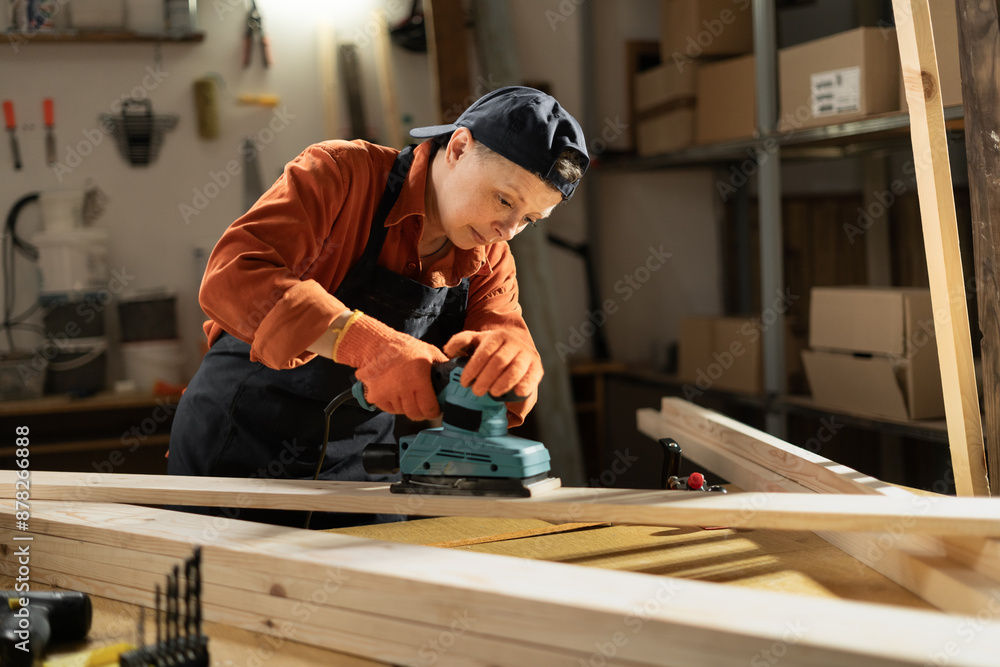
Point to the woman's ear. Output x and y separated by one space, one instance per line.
460 144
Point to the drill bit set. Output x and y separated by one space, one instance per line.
179 639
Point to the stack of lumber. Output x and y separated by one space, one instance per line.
416 605
954 573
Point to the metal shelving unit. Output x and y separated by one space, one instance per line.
839 141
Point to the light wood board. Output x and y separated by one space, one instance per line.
783 511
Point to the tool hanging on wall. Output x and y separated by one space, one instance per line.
206 102
137 131
253 187
48 107
255 29
8 113
411 33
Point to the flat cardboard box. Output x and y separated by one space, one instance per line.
664 84
836 79
721 353
666 132
691 29
873 351
727 101
944 23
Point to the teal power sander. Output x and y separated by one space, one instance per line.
471 454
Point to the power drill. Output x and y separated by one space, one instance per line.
29 621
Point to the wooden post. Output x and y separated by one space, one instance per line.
448 51
944 261
979 49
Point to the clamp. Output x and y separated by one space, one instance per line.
255 28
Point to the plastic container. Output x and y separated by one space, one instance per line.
72 260
147 362
148 317
22 377
61 209
79 369
75 319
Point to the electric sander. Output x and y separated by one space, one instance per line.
470 454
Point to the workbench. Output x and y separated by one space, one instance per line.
786 561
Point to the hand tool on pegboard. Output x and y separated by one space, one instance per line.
255 30
48 106
8 114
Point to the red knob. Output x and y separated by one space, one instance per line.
49 108
695 481
8 112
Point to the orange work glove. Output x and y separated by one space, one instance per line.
498 362
394 367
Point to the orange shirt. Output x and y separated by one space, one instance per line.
271 277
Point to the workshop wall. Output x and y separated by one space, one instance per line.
164 218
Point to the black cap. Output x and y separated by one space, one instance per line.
524 125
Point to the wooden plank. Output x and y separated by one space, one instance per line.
944 260
755 460
656 620
449 55
386 75
384 639
329 87
783 511
979 51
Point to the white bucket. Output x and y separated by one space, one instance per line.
61 209
149 361
73 260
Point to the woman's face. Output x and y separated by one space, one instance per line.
486 198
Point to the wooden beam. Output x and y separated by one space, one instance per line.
449 55
977 517
329 87
944 261
548 606
979 52
953 574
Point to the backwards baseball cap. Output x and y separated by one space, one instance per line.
524 125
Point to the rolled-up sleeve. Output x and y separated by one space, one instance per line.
257 284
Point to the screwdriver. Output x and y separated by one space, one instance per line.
8 112
50 137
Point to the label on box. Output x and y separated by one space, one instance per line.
835 92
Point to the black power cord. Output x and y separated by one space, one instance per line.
338 400
11 243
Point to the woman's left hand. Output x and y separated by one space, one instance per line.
498 362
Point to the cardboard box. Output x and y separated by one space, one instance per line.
721 353
944 21
727 101
840 78
691 29
664 84
873 351
666 132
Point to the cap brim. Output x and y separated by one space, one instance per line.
432 131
